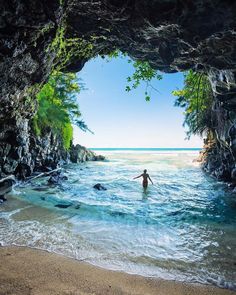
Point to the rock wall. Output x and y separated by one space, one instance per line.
14 145
220 149
173 35
25 152
21 152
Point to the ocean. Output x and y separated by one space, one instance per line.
181 228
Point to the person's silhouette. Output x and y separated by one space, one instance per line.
145 176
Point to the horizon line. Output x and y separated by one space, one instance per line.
146 148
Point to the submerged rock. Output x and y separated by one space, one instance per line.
118 214
57 178
171 35
40 189
62 206
78 206
3 199
99 187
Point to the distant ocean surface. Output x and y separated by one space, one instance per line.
147 149
182 228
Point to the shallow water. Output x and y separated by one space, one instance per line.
181 228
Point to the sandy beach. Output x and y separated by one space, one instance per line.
26 271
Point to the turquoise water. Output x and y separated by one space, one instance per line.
181 228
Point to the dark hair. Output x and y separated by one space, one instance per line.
145 170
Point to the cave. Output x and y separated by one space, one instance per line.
172 35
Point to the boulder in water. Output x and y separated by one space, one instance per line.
6 186
78 206
57 178
79 154
3 199
99 158
99 187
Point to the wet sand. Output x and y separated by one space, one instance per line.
25 271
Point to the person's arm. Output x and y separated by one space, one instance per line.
150 179
138 176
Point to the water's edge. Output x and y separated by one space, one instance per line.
183 228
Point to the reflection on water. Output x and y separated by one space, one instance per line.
182 227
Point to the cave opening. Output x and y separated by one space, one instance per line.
177 223
121 119
172 36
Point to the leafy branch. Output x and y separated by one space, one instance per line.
196 98
143 72
58 108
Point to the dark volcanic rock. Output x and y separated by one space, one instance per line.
79 153
57 178
47 151
172 35
77 207
6 186
99 158
99 187
21 152
3 199
62 206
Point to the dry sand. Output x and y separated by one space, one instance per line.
27 271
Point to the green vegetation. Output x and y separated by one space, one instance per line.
143 72
196 98
67 49
57 104
57 107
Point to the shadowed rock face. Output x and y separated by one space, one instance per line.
172 35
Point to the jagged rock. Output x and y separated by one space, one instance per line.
79 153
98 158
57 178
21 152
233 174
3 199
99 187
6 186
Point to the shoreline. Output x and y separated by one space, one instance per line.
31 271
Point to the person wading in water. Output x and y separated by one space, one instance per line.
145 176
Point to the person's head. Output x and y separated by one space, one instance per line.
145 170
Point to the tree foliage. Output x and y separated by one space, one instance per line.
67 48
58 108
196 98
143 72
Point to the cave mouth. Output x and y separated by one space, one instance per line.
172 36
124 119
185 223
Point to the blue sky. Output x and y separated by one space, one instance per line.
124 119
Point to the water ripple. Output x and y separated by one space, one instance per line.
183 227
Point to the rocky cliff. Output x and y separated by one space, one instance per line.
37 36
79 154
25 152
22 152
